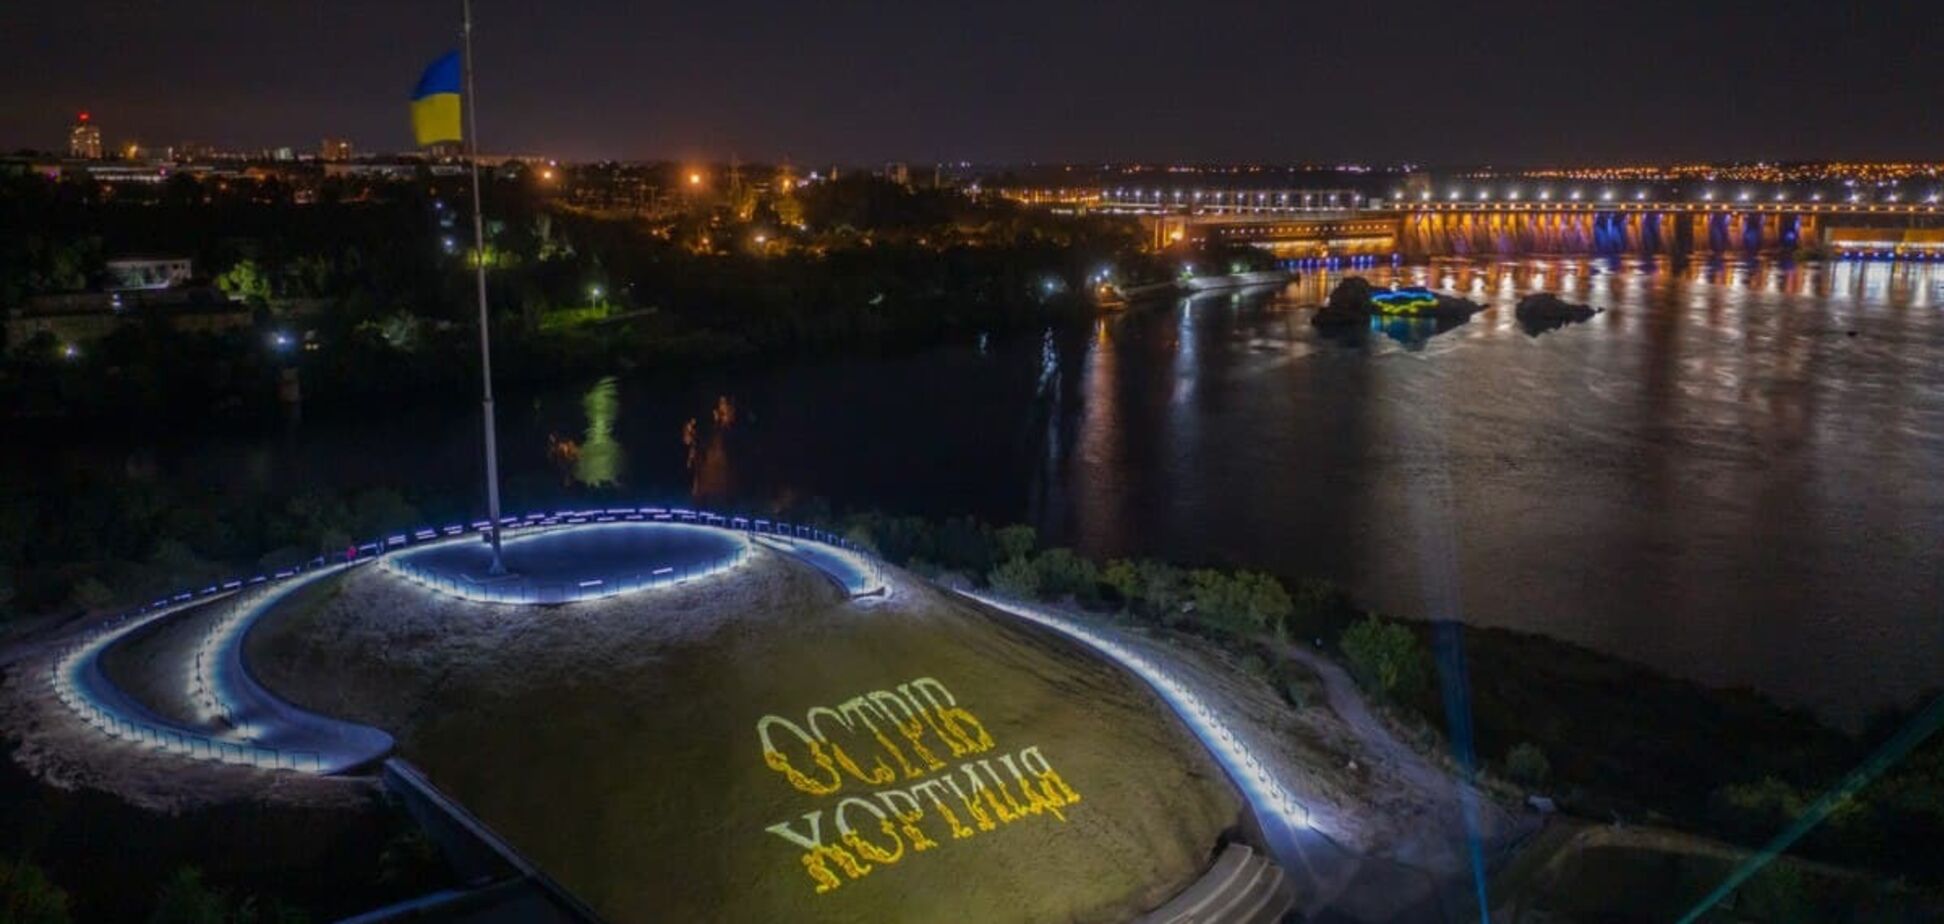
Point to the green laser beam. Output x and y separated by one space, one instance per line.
1909 737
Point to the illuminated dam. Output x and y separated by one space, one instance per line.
1332 223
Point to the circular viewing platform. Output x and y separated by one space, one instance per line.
574 563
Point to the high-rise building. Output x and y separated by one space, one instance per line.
84 139
898 173
334 150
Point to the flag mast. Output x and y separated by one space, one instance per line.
471 134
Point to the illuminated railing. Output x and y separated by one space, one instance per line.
1266 795
78 681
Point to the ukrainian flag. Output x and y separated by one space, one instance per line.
435 102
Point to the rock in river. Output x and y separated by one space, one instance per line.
1544 311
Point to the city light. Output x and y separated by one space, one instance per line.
695 179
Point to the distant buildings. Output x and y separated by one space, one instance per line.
84 139
897 172
334 150
131 274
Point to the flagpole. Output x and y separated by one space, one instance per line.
485 340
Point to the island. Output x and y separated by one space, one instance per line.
1355 301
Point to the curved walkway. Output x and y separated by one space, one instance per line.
243 723
1284 821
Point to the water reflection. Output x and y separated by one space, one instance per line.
1730 474
602 459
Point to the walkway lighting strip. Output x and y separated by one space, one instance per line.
206 684
1265 793
68 687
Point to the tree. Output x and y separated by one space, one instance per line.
184 899
89 594
1527 764
1124 577
1164 587
1385 657
245 281
1061 572
28 897
1016 578
964 544
1226 603
1265 600
1016 541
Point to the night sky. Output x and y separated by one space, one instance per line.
1004 81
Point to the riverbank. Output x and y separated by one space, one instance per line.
1595 735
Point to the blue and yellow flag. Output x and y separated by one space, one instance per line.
435 102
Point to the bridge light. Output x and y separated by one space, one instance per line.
1708 196
1575 196
1640 196
1425 196
1606 196
1513 195
1454 195
1743 197
1781 197
1545 194
1815 197
1484 194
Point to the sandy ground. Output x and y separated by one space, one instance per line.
615 741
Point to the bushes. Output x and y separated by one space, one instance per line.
1526 763
959 544
1385 657
1242 603
27 897
1149 589
1061 573
1016 578
1015 541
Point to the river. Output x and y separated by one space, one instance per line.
1731 475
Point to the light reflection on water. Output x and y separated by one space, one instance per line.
1713 476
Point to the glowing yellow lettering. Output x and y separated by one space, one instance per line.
882 773
776 760
816 852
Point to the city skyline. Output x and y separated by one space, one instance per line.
1003 84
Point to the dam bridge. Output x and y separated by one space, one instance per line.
1324 223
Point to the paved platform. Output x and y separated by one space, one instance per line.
582 562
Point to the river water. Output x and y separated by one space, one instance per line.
1733 474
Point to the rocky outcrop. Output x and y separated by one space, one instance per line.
1544 311
1355 301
